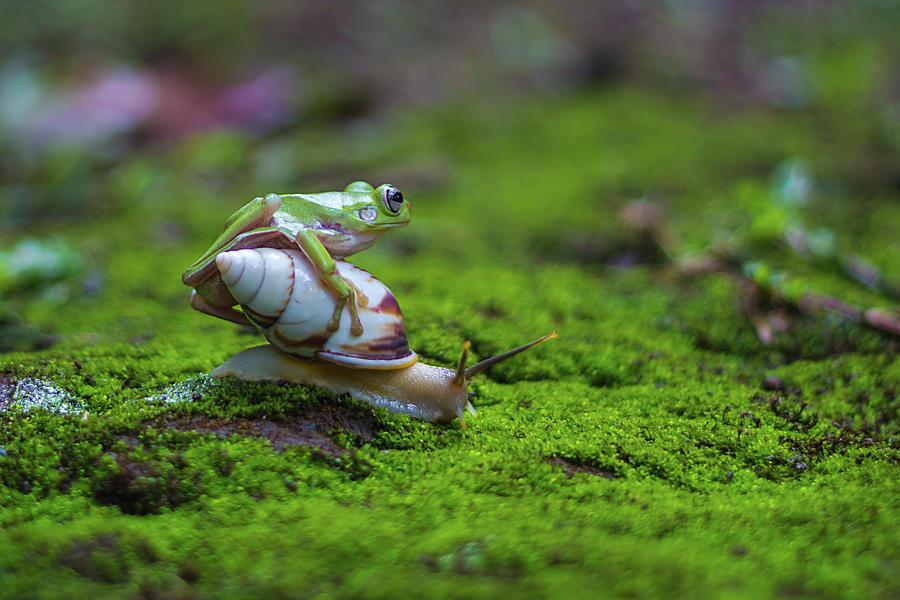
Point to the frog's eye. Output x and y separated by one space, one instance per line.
393 199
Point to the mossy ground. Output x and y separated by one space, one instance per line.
637 455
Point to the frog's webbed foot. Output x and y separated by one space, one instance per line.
361 298
356 327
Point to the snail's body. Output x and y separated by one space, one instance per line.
282 296
422 391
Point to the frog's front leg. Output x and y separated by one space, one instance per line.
319 256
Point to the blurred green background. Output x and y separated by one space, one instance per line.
145 125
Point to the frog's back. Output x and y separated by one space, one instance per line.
322 203
273 220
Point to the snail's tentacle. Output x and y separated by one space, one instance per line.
460 377
479 367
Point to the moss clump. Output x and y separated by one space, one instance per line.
656 449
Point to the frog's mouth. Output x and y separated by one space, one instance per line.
390 225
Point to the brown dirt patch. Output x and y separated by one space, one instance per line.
314 427
571 467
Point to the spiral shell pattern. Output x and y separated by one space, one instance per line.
281 293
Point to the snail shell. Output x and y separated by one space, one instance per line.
281 294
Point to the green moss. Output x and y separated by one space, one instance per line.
637 455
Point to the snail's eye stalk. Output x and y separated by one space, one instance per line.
460 378
479 367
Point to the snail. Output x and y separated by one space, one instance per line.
281 294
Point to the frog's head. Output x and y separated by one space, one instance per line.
377 208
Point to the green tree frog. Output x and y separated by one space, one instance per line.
324 226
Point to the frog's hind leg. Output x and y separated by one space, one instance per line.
323 262
223 312
256 213
252 222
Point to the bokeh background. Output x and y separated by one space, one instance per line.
123 117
